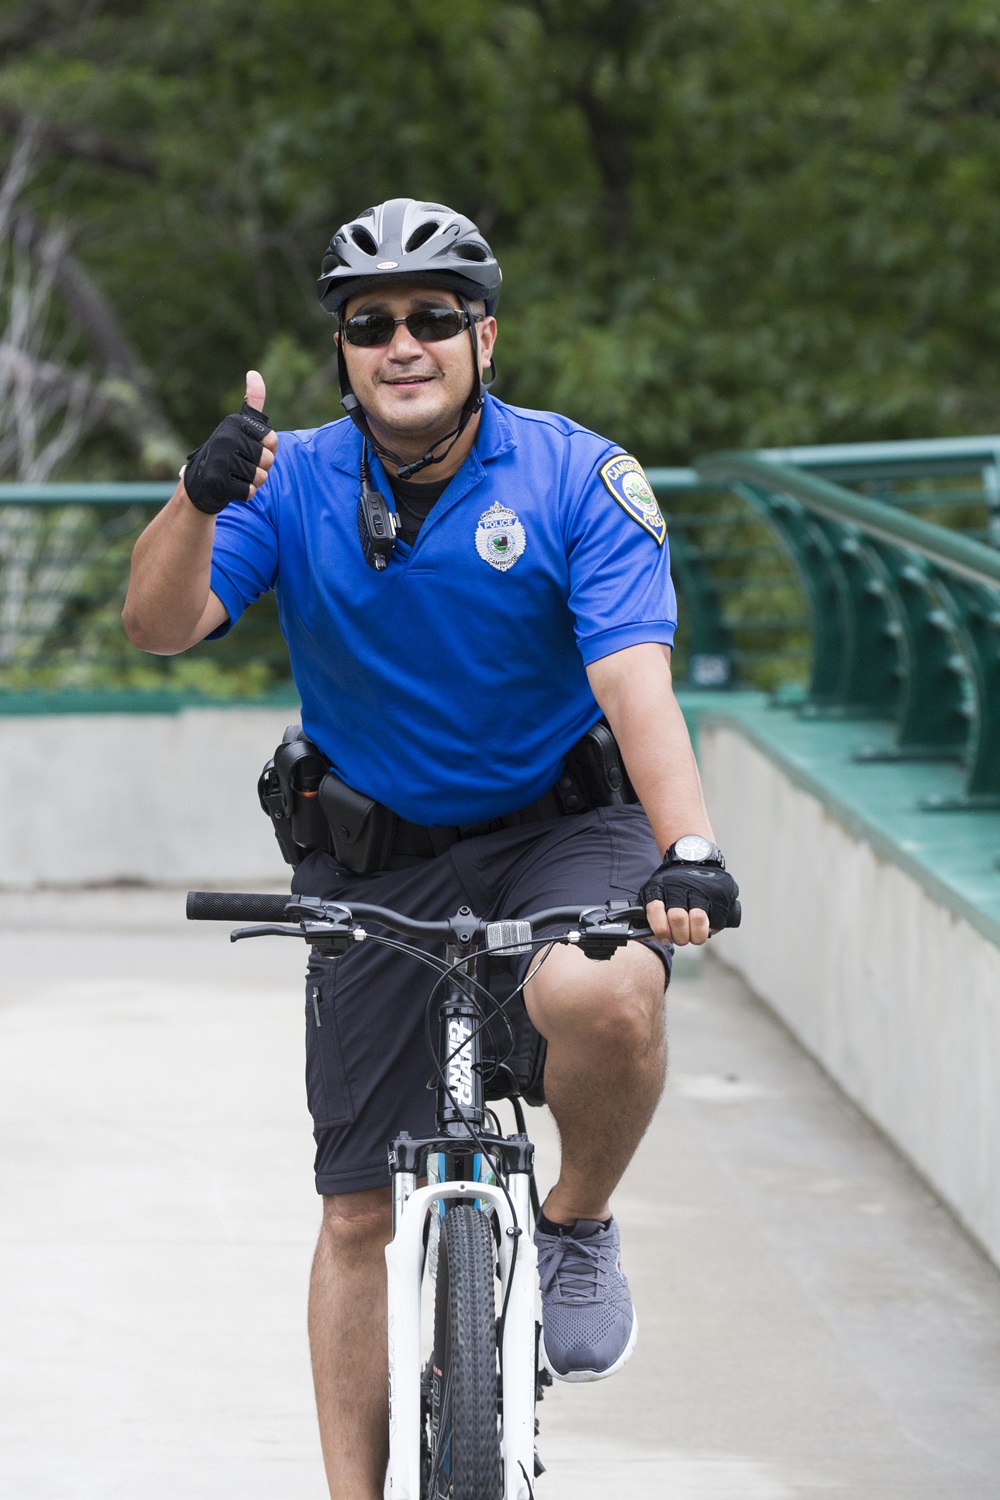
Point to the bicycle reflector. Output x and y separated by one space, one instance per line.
508 937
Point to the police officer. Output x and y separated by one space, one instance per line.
507 588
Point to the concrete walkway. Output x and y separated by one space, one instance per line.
812 1322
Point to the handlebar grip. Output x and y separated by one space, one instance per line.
737 915
237 906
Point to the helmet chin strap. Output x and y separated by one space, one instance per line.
473 402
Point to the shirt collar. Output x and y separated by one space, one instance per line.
494 438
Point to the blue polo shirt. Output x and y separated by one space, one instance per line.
451 685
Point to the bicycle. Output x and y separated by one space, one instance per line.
462 1422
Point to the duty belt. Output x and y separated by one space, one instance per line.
417 839
311 808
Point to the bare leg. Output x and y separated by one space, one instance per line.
347 1335
604 1070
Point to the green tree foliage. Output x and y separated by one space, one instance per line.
722 222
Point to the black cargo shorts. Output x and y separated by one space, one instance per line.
367 1065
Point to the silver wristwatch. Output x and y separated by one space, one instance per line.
693 849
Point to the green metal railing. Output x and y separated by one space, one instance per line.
952 481
904 616
64 556
854 579
745 617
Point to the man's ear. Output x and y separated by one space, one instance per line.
487 340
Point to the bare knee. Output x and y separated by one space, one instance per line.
616 1007
356 1225
628 1018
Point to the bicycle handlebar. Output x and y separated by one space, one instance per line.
236 906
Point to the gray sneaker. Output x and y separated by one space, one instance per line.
588 1322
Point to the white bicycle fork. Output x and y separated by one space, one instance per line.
404 1257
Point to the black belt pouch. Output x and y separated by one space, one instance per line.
361 830
595 764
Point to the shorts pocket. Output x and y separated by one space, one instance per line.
634 854
327 1088
616 876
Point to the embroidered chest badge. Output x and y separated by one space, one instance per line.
500 538
623 476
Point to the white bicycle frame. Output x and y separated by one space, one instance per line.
331 928
404 1257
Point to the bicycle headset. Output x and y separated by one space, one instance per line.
403 240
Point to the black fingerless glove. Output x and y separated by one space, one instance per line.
224 468
703 887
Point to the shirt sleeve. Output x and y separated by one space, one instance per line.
621 592
245 552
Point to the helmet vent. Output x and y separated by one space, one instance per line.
367 213
363 239
421 235
470 252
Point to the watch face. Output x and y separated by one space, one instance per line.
692 848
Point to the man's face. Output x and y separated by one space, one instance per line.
408 389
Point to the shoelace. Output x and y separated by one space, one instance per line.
575 1267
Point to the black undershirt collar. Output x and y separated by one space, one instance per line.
414 503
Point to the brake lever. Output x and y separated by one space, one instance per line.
270 929
329 938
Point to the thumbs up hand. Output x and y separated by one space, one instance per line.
233 463
256 391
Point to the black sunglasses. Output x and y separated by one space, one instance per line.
431 325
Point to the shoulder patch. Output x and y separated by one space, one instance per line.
623 477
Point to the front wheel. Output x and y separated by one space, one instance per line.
463 1450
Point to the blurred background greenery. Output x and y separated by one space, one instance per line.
722 222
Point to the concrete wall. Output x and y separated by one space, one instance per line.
164 798
895 995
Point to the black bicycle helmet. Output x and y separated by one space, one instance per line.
403 240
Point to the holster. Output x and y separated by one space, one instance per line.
288 790
311 808
595 765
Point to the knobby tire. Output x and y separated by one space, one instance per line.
464 1440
